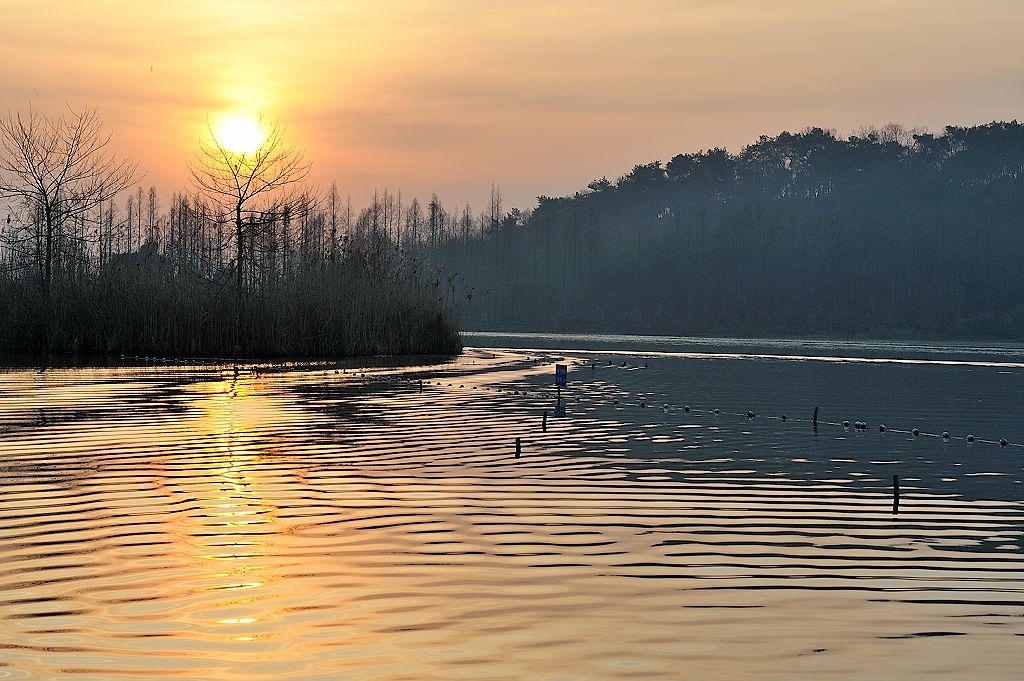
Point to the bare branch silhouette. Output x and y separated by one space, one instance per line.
248 184
62 168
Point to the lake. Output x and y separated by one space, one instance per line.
370 521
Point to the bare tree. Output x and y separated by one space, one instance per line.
248 184
58 169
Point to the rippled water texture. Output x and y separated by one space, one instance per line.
195 523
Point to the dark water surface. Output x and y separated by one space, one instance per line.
191 523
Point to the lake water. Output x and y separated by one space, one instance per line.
308 522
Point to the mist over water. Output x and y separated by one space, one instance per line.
188 522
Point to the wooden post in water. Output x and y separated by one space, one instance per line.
421 385
519 448
814 420
544 428
895 494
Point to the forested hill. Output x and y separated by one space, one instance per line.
885 233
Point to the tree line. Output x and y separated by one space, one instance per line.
250 262
887 232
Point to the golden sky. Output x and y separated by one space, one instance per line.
538 97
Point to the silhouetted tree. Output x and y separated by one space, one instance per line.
61 169
237 180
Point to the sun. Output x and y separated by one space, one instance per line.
240 134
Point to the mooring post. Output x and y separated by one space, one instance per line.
895 494
421 385
544 428
814 420
519 448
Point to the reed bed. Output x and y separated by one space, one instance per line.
363 302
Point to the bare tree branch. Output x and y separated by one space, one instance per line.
61 166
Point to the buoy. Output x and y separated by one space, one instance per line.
717 411
615 401
1003 442
784 417
970 439
945 435
915 432
751 414
846 424
687 409
881 428
664 407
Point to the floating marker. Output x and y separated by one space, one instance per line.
945 435
895 494
751 414
1003 442
664 407
717 411
687 409
881 428
784 417
846 424
970 439
915 432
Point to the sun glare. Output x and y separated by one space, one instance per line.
240 134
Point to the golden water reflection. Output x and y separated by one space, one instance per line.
312 525
231 524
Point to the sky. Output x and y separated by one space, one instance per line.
536 97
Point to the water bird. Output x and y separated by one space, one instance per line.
915 432
750 414
717 411
970 439
1003 442
785 418
664 407
945 435
881 428
686 409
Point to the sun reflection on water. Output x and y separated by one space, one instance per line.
235 517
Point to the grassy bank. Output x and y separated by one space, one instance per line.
359 305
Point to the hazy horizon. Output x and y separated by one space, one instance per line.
536 98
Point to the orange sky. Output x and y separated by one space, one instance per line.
538 97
